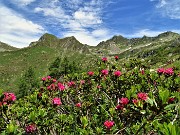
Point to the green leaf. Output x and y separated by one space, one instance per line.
11 128
1 91
150 101
164 95
84 121
32 116
112 111
169 106
143 111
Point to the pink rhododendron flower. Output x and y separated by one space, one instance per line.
124 101
117 73
54 80
49 87
30 128
119 107
9 97
48 77
82 82
104 59
61 86
142 72
116 57
108 124
160 70
98 86
39 95
104 72
71 83
4 103
135 101
171 100
90 73
78 105
57 101
142 96
44 79
169 71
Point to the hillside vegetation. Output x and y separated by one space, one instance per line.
160 51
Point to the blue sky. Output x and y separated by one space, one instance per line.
90 21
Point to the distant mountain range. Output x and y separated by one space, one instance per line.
163 49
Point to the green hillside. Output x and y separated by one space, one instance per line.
160 51
6 47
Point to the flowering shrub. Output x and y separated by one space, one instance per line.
90 73
116 57
56 101
104 72
108 124
117 73
109 100
78 105
104 59
142 96
30 128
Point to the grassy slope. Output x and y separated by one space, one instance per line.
6 47
13 64
41 54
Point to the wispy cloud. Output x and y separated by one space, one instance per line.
169 8
22 2
78 18
16 30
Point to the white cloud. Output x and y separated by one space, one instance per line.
56 12
87 18
16 30
83 20
90 38
22 2
169 8
100 33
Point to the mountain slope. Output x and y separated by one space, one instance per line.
70 43
40 55
119 44
6 47
163 49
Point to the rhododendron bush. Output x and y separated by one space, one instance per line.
109 100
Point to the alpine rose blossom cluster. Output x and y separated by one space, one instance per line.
56 101
117 73
116 57
61 86
90 73
71 84
104 72
142 96
7 99
124 101
78 105
108 124
30 128
104 59
167 72
121 103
